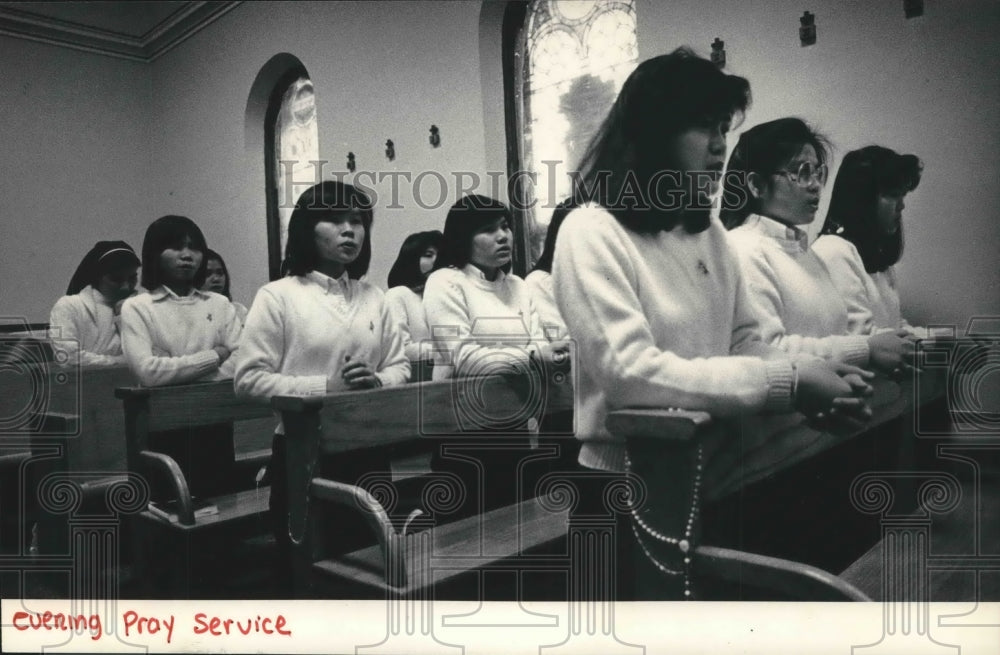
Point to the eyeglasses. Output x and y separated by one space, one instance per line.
806 173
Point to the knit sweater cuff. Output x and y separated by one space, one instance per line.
856 350
780 377
315 385
205 361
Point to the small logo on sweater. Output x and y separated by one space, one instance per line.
702 267
209 318
371 325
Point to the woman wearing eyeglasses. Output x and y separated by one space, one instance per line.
772 190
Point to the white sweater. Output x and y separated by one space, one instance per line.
477 323
544 297
872 300
302 329
792 294
407 311
85 324
660 320
168 339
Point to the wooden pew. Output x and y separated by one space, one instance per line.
400 563
89 452
666 451
240 508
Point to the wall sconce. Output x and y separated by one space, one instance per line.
351 165
807 29
435 137
913 8
719 52
390 150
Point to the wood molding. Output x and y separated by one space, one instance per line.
187 20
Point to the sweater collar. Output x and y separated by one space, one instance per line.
479 277
339 285
790 238
163 292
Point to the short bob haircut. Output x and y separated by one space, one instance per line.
209 256
633 150
466 218
326 202
170 232
764 150
405 272
559 215
104 258
863 176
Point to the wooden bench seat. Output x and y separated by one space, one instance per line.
400 565
241 505
249 503
455 549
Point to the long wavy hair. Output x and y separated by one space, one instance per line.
625 168
853 215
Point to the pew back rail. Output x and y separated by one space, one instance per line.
157 409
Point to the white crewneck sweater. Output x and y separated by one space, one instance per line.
302 329
796 303
476 323
660 320
872 299
169 339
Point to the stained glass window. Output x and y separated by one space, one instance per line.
295 147
574 57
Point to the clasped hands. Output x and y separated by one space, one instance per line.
833 392
356 375
893 352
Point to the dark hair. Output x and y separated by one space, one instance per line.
105 257
209 256
466 218
763 150
559 214
170 232
405 272
863 176
326 202
634 146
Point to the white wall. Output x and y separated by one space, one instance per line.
385 70
74 132
391 69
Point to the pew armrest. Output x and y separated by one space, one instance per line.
667 424
800 581
58 423
359 499
166 466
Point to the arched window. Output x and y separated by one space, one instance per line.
569 59
291 144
